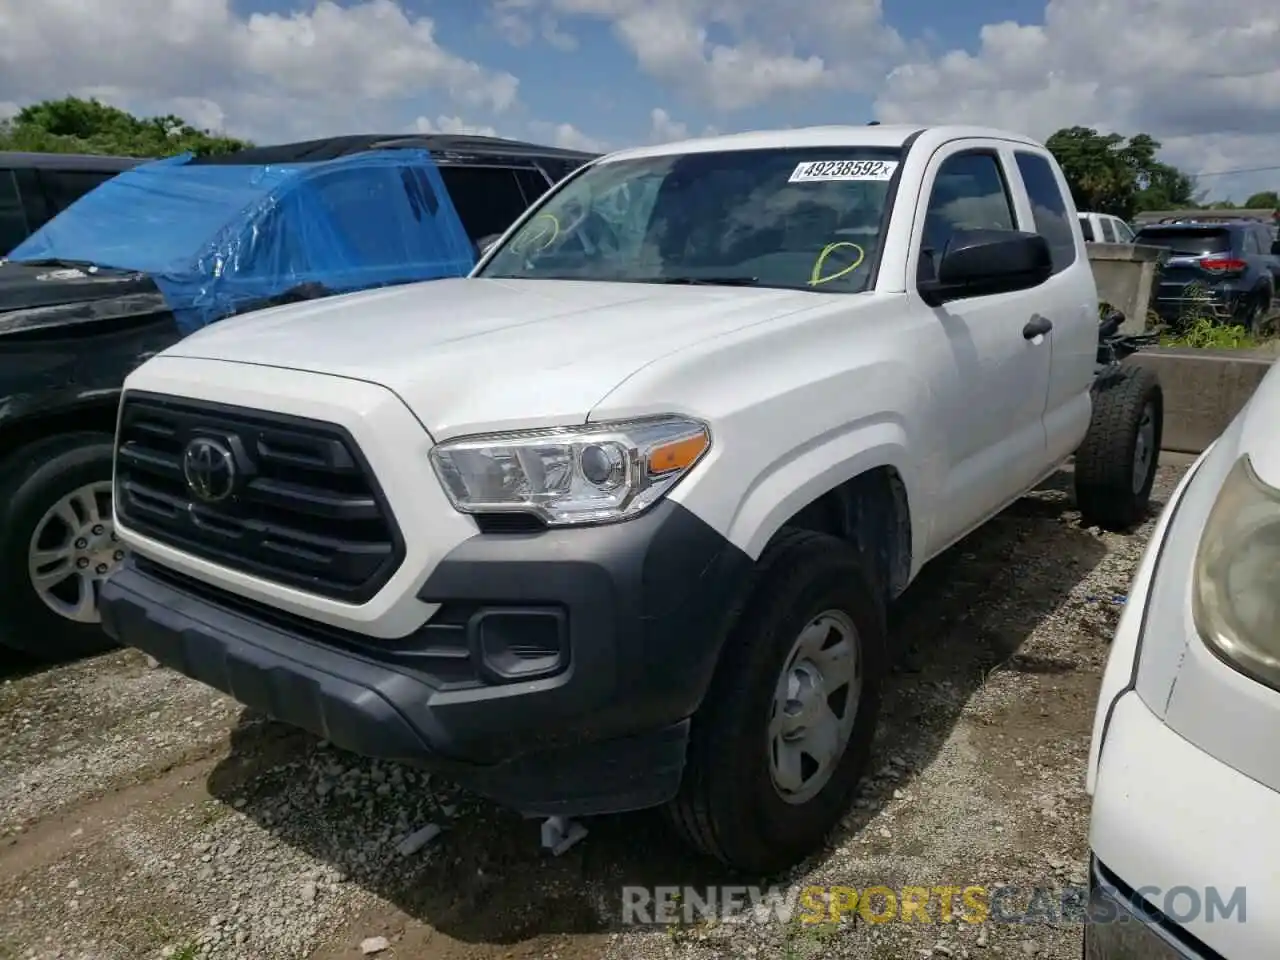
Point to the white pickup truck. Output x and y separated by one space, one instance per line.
613 522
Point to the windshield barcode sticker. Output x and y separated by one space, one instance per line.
819 170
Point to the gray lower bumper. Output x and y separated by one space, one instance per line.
1119 928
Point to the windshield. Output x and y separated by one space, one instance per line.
1191 243
806 219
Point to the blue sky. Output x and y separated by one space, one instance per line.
611 73
618 109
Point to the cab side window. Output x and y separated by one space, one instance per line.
65 187
1108 232
13 219
1050 210
488 199
969 193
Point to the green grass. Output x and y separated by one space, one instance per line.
1204 333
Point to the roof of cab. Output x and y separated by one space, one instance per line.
10 160
332 148
877 135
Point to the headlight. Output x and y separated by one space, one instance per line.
1235 598
609 471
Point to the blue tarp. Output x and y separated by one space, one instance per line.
216 238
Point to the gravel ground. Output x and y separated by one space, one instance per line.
142 815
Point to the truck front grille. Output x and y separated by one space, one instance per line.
301 506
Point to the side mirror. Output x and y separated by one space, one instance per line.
979 263
485 244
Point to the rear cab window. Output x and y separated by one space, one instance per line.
1049 208
1086 227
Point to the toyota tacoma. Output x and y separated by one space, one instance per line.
612 523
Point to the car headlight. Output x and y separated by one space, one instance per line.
1235 597
590 474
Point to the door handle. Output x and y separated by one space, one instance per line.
1037 326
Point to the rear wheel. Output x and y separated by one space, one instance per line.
1265 325
57 544
783 736
1115 467
1255 310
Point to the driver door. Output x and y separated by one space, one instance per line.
994 437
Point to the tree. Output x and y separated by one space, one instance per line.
74 125
1109 174
1267 198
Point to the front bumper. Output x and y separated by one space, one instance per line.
1124 927
621 624
1189 832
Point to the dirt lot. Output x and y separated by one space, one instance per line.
142 815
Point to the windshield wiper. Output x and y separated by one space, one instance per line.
709 281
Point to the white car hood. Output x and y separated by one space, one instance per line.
468 355
1259 437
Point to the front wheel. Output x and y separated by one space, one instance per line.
57 544
782 738
1116 465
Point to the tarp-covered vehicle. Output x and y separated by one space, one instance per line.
167 248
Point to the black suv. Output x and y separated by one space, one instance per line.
71 331
1226 270
36 187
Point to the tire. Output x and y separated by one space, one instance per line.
35 479
1128 406
1265 323
1255 310
728 806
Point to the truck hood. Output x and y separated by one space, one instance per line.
39 295
472 355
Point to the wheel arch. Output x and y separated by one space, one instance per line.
855 486
19 432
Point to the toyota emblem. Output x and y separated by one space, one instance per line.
210 469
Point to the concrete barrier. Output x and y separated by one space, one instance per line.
1203 390
1126 276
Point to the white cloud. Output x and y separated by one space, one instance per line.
847 45
663 129
566 135
510 18
455 125
514 22
264 74
1207 87
556 37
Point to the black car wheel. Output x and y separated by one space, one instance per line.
57 544
1115 466
781 740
